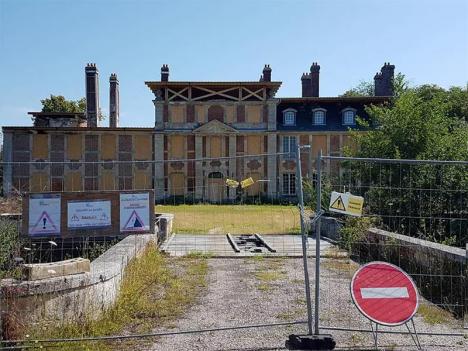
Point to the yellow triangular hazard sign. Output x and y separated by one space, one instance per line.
338 204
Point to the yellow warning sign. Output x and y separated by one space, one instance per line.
346 203
338 204
232 183
355 204
247 182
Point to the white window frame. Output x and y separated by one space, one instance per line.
291 112
344 112
288 185
314 111
291 143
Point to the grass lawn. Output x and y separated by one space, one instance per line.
235 219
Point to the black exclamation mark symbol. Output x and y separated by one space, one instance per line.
44 220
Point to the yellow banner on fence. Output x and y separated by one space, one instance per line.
247 182
232 183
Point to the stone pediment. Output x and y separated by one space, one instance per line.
215 127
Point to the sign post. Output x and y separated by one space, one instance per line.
385 295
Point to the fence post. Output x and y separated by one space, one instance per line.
304 236
317 240
465 307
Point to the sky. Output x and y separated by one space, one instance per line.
45 45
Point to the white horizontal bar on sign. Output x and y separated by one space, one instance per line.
384 293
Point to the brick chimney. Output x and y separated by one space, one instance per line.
114 101
92 94
314 77
164 73
383 80
306 85
310 81
266 74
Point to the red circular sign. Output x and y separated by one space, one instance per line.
384 293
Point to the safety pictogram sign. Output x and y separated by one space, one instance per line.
44 225
384 293
135 212
134 223
44 214
346 203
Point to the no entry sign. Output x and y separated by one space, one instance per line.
384 293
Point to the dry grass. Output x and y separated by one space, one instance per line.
10 205
433 314
235 219
341 266
154 292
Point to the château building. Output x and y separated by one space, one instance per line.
204 132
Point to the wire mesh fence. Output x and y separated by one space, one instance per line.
415 216
198 290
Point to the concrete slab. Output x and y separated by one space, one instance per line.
218 245
39 271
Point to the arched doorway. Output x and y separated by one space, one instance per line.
215 187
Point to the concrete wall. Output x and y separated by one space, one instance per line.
439 271
70 298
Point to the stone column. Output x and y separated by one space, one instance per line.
159 192
7 167
271 104
198 167
232 164
272 165
158 114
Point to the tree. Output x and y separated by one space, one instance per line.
366 88
425 122
58 103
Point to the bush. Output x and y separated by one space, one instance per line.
10 245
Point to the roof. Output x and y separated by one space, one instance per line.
58 114
357 99
155 85
78 129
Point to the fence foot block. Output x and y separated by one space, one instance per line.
310 342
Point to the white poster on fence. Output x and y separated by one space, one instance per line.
134 212
44 214
89 214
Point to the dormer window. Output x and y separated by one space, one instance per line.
289 117
349 117
319 116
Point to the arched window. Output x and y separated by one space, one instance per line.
319 117
289 117
349 117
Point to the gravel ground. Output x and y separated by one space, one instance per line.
271 290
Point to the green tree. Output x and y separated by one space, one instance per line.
425 122
58 103
366 88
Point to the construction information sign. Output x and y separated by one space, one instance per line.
89 214
44 214
134 212
346 203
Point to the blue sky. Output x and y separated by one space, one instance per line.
44 46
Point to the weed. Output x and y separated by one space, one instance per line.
341 266
155 290
433 314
